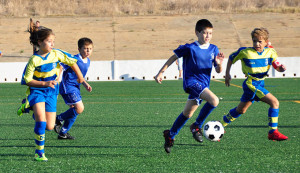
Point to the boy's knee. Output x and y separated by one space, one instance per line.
49 128
214 102
275 104
79 109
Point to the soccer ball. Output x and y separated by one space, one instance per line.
213 131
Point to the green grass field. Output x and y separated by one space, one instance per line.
121 131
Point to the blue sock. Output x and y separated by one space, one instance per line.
66 115
273 119
205 111
178 124
39 130
69 118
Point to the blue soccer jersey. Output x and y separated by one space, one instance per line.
69 82
197 62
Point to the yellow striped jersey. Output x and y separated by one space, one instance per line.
46 68
254 64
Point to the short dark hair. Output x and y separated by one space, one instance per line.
203 24
84 41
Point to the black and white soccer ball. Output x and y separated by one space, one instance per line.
213 131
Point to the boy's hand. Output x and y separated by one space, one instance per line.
51 83
227 80
158 78
281 68
219 58
87 86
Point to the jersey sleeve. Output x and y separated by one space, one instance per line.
28 72
274 55
235 56
181 51
65 67
215 55
65 57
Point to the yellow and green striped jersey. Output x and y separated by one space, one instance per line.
254 64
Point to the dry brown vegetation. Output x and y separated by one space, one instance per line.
44 8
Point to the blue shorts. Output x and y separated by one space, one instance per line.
253 90
72 98
37 96
195 91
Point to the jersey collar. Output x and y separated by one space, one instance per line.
83 60
203 46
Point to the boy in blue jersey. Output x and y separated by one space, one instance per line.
256 62
40 75
69 89
198 59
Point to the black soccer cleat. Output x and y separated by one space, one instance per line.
57 126
197 133
169 142
65 136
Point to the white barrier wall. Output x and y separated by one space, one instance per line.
143 70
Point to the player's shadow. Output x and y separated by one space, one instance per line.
260 126
192 145
128 78
98 125
151 126
124 126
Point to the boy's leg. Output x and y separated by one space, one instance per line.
69 118
169 135
210 105
273 113
236 112
205 111
50 118
190 107
177 125
39 130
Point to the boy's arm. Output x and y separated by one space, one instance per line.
158 77
219 61
227 74
278 66
78 73
87 86
39 84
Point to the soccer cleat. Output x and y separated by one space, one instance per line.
197 133
57 126
65 136
169 142
40 158
21 109
277 136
